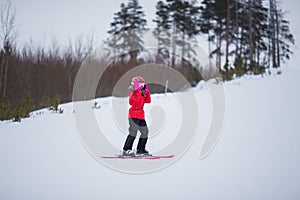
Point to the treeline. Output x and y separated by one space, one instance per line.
244 36
33 76
43 76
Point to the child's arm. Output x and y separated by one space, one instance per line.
147 94
148 98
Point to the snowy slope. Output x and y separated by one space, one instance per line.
257 156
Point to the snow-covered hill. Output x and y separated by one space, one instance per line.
257 156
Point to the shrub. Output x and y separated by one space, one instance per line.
45 102
27 105
227 73
5 109
56 102
240 69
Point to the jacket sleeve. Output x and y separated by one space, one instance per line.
147 98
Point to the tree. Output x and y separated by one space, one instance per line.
187 24
127 28
27 105
227 32
176 28
162 29
137 24
257 32
214 15
258 23
284 39
206 25
7 37
280 38
117 26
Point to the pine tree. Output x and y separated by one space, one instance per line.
27 105
136 15
56 102
162 29
118 27
285 39
258 20
242 31
22 108
127 28
137 26
45 102
188 27
178 19
206 25
280 38
214 17
5 109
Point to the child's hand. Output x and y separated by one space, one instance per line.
145 89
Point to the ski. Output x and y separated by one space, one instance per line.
147 157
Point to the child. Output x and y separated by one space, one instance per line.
138 95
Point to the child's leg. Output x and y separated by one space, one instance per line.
143 128
144 136
133 128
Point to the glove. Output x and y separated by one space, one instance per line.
145 89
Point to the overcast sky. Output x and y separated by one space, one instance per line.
45 20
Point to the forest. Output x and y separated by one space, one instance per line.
243 36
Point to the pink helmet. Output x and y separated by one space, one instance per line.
138 79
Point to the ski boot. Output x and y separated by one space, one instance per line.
143 152
129 152
141 148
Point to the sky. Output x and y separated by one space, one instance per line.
44 21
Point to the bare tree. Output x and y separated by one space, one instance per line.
7 22
7 36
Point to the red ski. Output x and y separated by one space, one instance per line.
138 157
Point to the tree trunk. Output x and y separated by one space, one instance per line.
241 42
1 75
174 43
183 48
219 42
273 34
257 55
237 27
269 51
5 78
227 32
277 36
250 32
209 50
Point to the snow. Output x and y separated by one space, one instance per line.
257 156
